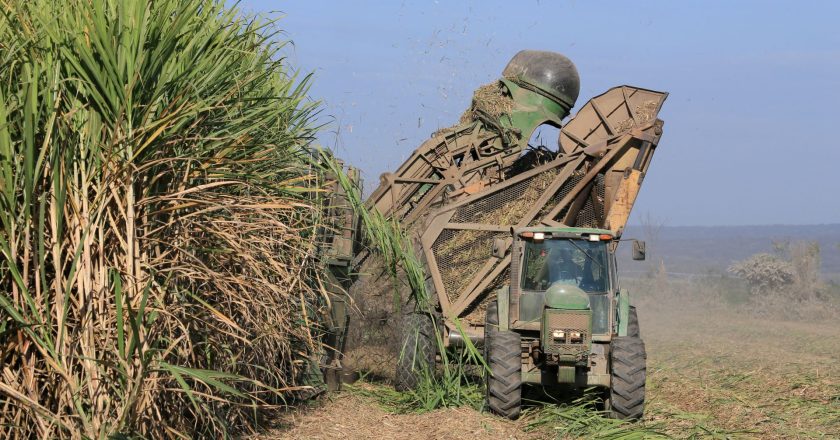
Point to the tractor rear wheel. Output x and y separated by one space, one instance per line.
627 390
417 350
503 355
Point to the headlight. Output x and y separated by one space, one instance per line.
559 334
575 336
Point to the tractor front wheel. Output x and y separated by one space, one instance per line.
627 391
503 355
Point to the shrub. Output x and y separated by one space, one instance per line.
764 271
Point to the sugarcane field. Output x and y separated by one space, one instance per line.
270 220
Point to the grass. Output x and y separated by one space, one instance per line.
578 418
582 419
157 221
420 400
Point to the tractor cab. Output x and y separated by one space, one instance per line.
567 271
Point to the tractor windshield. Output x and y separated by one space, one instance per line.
577 262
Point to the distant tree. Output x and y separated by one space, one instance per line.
781 247
804 258
652 228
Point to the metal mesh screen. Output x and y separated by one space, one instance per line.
476 311
460 254
508 206
591 215
564 190
568 322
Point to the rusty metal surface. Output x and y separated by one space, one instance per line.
471 183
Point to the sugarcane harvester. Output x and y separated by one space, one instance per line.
519 241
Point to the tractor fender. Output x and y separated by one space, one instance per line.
503 300
623 309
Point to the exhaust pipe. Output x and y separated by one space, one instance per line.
456 339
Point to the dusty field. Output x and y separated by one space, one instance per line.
353 417
731 375
710 375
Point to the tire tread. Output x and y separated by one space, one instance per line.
503 356
418 350
628 369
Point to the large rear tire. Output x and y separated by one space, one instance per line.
503 355
628 374
417 351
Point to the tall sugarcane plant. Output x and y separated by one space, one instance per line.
156 223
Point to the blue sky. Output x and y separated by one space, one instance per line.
750 125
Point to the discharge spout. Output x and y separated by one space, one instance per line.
550 74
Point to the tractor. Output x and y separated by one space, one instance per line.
564 320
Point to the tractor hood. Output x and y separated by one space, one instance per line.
566 297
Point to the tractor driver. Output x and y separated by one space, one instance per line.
562 269
593 279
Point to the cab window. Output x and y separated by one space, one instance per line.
577 262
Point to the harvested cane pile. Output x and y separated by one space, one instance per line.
489 100
157 223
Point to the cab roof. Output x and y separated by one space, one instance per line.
564 230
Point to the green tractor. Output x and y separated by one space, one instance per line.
564 320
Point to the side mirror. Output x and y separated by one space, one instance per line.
500 247
639 250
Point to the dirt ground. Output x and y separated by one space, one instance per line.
716 374
348 416
730 374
